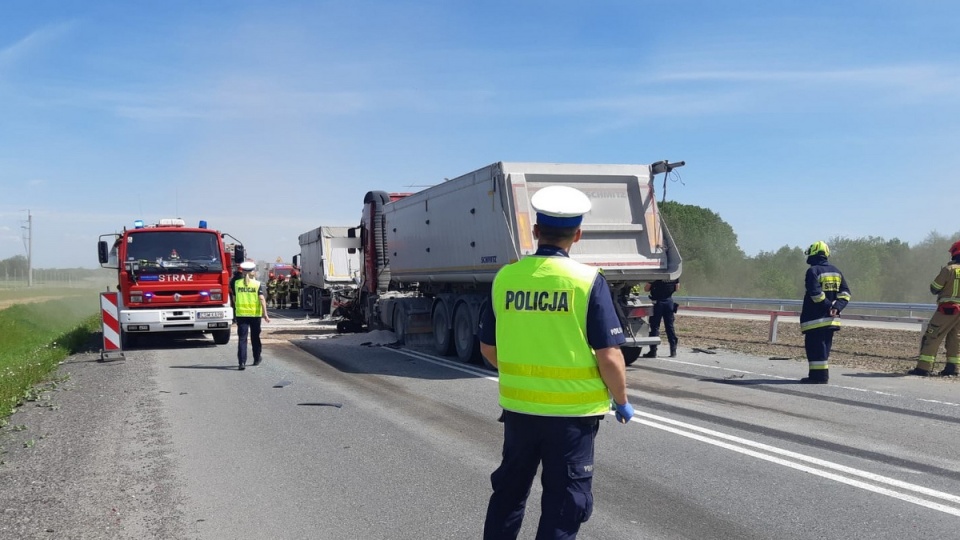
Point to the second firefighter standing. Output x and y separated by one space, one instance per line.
293 289
283 291
945 322
272 290
826 295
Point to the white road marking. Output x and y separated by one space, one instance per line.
832 476
760 450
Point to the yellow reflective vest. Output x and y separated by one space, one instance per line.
546 366
246 298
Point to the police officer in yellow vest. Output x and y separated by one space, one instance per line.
251 305
945 322
554 336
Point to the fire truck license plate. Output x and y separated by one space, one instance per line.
209 315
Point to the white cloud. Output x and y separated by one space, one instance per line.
21 50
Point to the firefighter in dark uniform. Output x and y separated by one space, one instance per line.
826 295
271 290
945 322
294 288
664 309
283 289
251 306
554 336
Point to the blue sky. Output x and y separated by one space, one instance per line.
798 120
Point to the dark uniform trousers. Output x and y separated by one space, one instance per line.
248 326
817 343
565 447
664 310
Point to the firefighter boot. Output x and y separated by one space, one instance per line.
818 376
919 372
950 370
652 353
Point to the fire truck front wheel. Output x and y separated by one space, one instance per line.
221 337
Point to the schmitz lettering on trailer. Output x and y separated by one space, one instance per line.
557 301
176 277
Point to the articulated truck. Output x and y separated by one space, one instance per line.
329 265
171 279
429 258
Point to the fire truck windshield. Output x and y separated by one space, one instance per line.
176 251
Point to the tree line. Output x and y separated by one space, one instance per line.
14 269
877 269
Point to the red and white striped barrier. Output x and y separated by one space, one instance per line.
110 324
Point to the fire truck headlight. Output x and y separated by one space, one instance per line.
136 298
216 296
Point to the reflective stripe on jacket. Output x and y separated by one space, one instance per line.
546 366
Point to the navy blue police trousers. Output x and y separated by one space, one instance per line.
663 310
564 446
248 326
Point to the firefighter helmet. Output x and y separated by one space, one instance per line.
271 275
818 248
955 249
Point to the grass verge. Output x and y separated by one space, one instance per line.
36 337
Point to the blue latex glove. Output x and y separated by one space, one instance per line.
624 412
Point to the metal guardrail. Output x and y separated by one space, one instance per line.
781 305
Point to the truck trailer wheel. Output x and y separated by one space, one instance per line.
221 337
442 334
467 344
399 324
630 354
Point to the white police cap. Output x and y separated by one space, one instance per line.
560 206
248 266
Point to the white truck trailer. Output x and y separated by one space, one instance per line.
429 258
329 265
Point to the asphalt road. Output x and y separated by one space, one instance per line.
337 439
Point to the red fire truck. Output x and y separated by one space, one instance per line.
171 278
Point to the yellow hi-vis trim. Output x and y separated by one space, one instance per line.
549 372
554 398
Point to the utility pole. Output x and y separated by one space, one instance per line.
29 239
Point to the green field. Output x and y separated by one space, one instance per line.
38 329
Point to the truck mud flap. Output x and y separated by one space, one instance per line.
418 330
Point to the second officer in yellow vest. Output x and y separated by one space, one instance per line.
250 305
554 336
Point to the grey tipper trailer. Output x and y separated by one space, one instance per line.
327 266
443 246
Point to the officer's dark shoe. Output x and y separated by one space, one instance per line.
811 380
950 370
919 372
673 352
652 353
256 361
242 367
